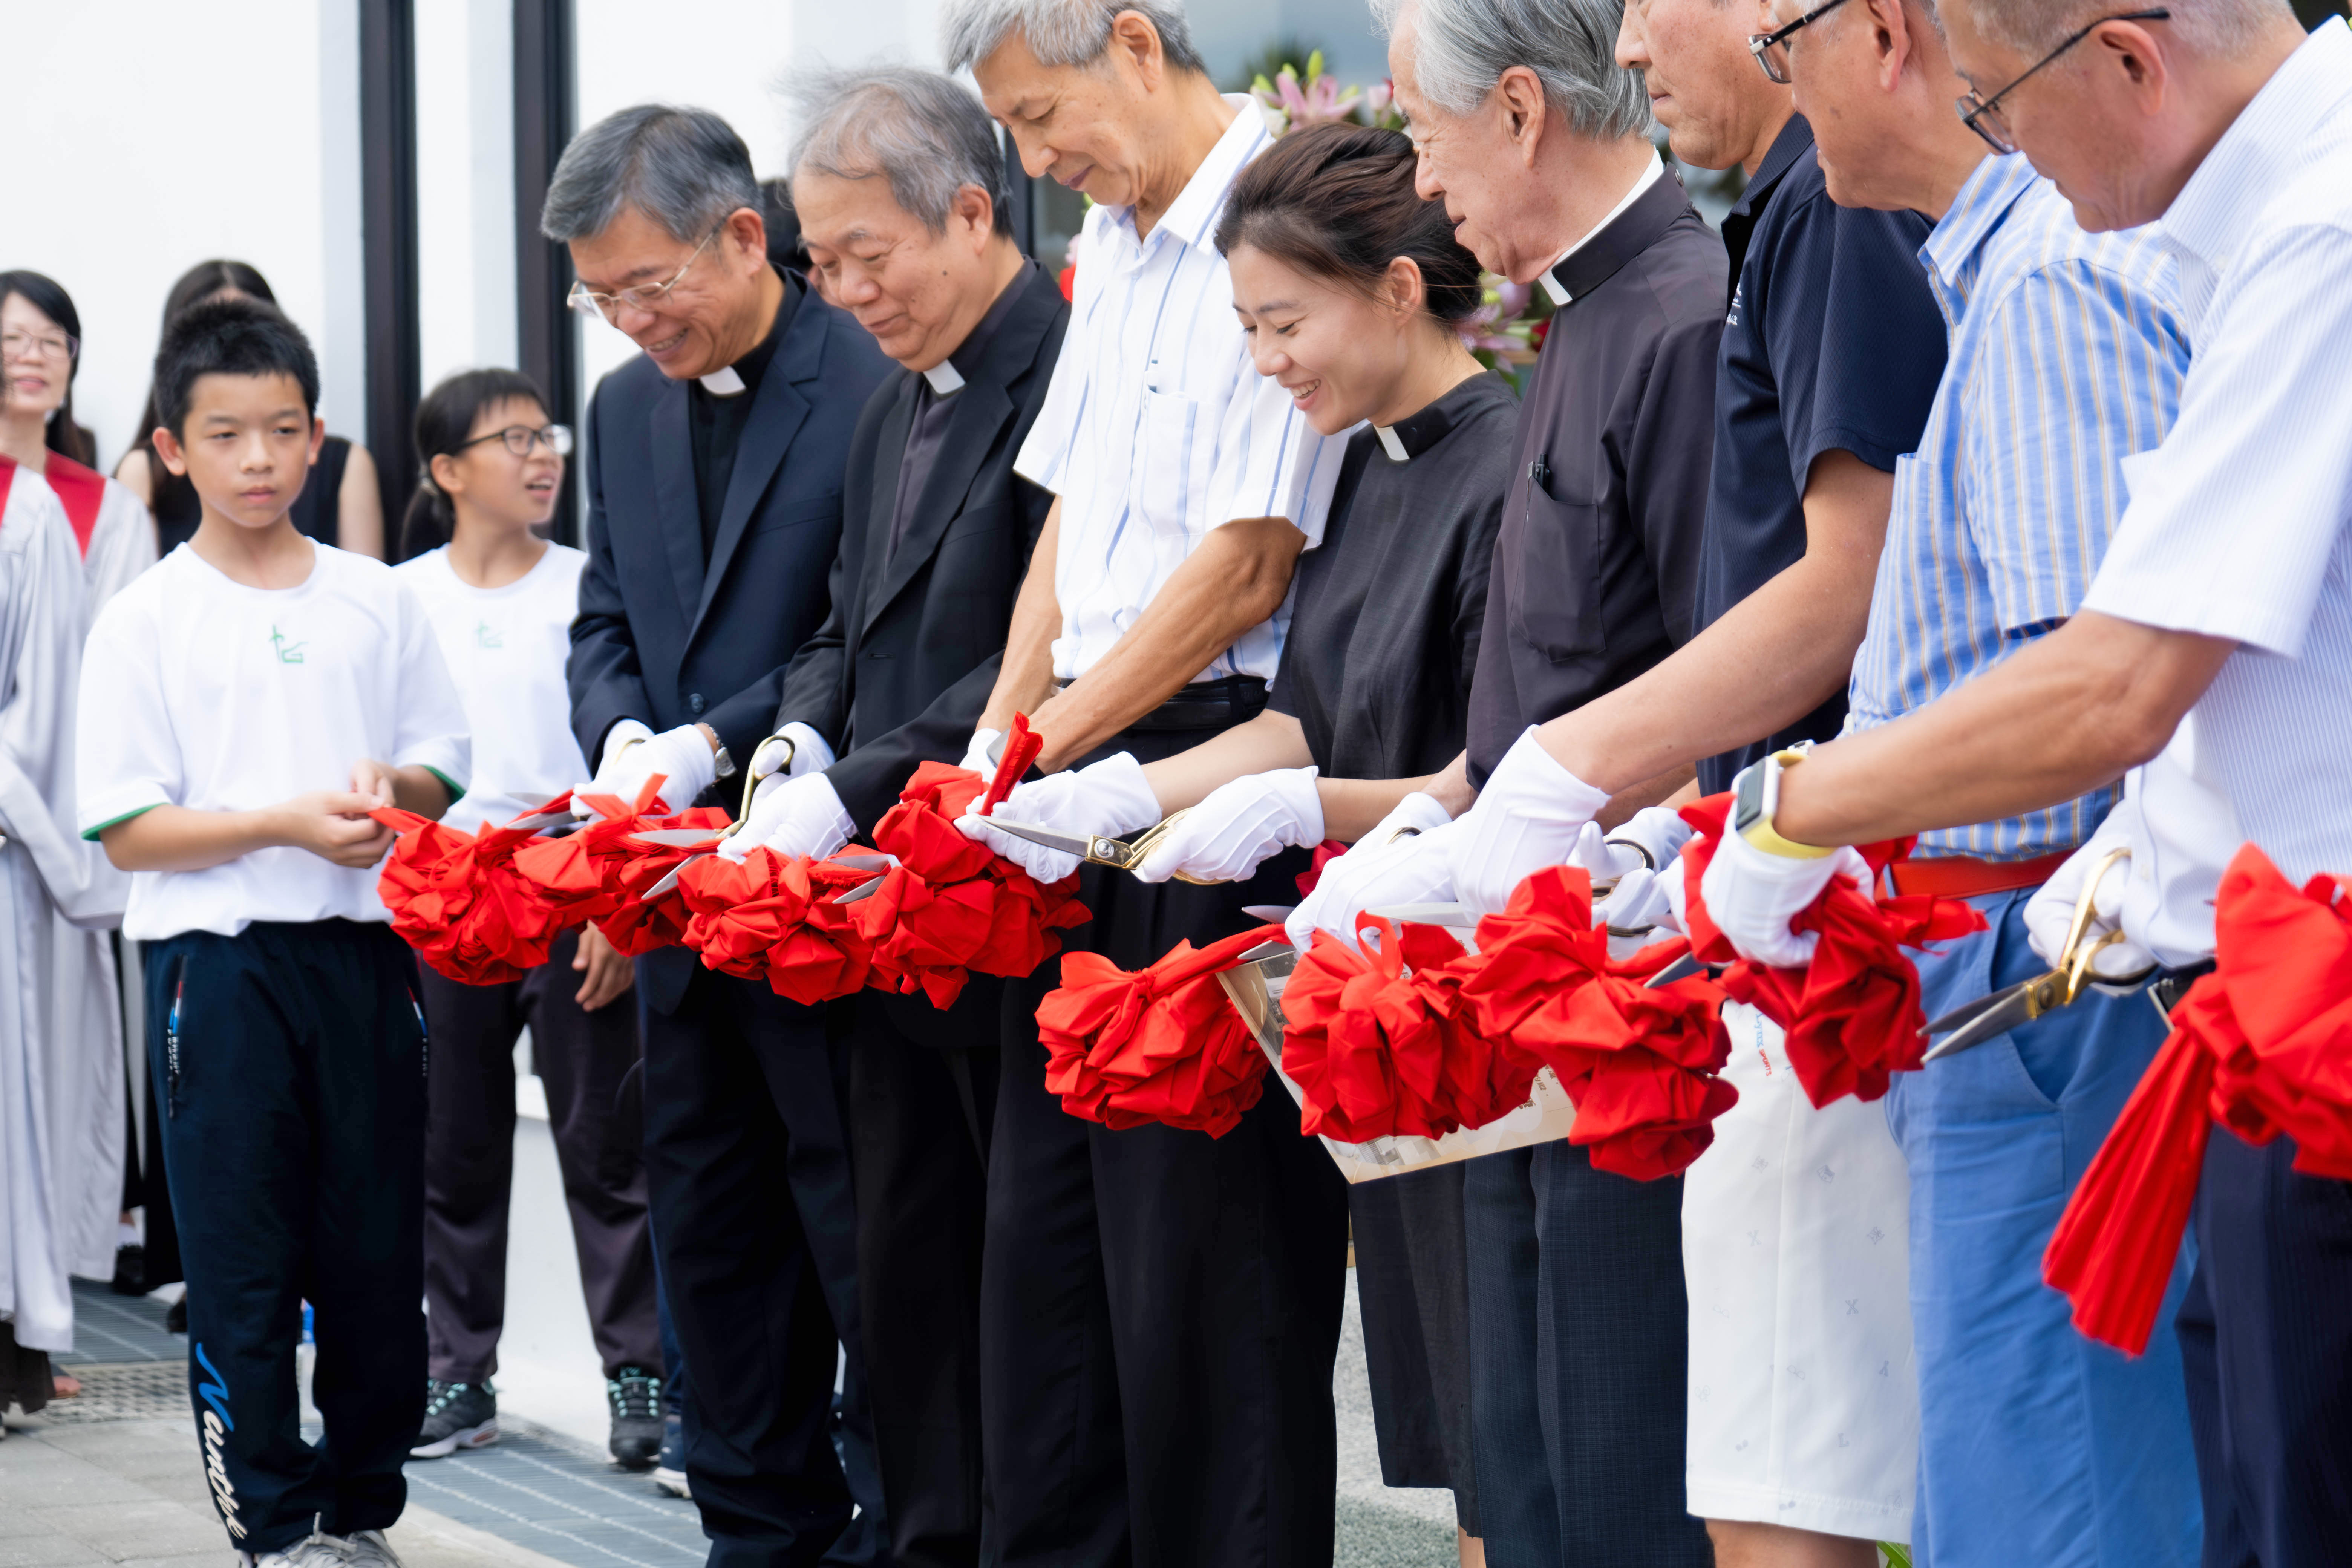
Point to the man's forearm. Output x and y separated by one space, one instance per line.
1024 682
1268 741
2070 713
1233 581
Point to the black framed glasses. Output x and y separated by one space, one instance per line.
522 440
1771 49
1982 115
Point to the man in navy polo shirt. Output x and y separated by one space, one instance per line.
1803 1419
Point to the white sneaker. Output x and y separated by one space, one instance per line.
369 1549
672 1482
315 1550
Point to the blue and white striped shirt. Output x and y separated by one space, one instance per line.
2067 355
1158 428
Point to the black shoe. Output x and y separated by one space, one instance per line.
175 1321
130 1271
456 1416
635 1396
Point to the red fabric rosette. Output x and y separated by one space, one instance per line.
1380 1042
457 899
595 875
1161 1045
2262 1046
1851 1017
1640 1061
774 920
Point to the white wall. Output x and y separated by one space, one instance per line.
147 135
466 219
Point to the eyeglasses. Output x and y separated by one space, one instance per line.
39 345
520 439
643 296
1980 115
1771 49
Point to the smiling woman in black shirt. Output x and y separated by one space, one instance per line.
1349 287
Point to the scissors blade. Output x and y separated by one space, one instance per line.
1986 1018
1078 844
861 892
1682 968
1459 916
669 882
677 838
1268 914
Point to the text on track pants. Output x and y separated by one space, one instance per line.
291 1062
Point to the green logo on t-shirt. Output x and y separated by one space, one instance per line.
485 637
288 652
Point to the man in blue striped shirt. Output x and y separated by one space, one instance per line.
2066 357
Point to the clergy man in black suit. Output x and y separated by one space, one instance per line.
901 194
715 487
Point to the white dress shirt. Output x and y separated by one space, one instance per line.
1157 429
2238 523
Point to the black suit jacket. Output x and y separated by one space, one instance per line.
662 635
904 664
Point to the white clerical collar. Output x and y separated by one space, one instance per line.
944 378
723 382
1649 176
1389 444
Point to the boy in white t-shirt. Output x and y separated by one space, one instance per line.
244 705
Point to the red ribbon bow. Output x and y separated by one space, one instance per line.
457 899
1161 1045
2262 1046
1640 1061
1851 1017
774 920
1380 1042
596 874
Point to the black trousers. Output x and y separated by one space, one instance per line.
1160 1310
753 1212
291 1062
1413 1286
919 1121
581 1059
1580 1357
2266 1347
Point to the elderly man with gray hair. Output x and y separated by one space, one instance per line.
1159 1308
715 473
1536 141
900 191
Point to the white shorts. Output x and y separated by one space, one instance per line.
1804 1403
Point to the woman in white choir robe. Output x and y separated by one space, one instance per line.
60 1094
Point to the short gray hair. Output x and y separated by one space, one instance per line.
923 132
1059 32
1464 46
2216 27
685 169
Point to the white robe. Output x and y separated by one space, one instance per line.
61 1059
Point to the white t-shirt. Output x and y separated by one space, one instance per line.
505 648
200 692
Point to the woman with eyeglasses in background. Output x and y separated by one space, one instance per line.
339 506
502 599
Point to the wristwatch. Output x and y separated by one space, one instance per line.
1758 797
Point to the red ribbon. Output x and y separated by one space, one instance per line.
597 874
1851 1017
457 899
1640 1061
2262 1046
1330 849
774 920
1380 1042
1163 1044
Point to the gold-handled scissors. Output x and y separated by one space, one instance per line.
1119 854
773 756
1966 1028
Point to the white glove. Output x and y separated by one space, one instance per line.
1657 832
2049 912
1527 816
792 815
1110 798
1675 883
1638 903
1238 825
1604 859
1388 866
811 752
682 756
1753 894
976 758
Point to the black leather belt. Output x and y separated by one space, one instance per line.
2169 986
1208 705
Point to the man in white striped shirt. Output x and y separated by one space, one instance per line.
1159 1310
2225 599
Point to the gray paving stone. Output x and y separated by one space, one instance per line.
42 1550
120 1529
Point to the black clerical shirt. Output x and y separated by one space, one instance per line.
1597 567
934 409
715 424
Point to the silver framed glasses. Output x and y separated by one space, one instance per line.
1983 116
1771 49
522 440
19 344
640 296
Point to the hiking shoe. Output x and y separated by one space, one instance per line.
669 1470
314 1551
369 1549
456 1416
635 1397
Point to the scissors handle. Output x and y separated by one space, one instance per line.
1143 843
